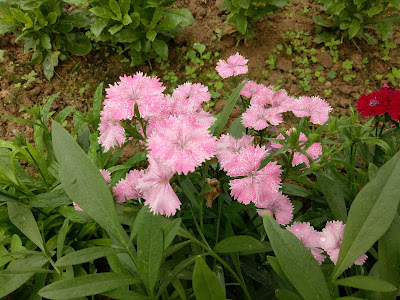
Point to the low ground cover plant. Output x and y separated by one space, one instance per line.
258 211
372 21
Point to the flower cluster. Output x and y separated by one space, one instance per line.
328 240
385 100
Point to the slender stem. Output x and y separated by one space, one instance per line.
37 165
217 257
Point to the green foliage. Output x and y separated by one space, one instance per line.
47 29
350 19
243 14
144 26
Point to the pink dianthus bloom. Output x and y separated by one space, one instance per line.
309 237
228 147
189 94
76 206
106 175
252 88
138 89
257 186
126 189
313 107
181 143
259 117
280 206
331 238
235 65
111 132
156 190
314 151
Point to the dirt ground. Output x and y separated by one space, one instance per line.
105 65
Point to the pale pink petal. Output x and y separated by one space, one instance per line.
126 189
106 175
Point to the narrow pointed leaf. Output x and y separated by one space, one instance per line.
296 261
87 285
84 184
366 283
370 215
206 285
227 110
21 216
86 255
238 243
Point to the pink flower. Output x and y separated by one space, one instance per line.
181 143
126 189
252 88
235 65
257 185
138 89
106 175
156 190
228 146
246 161
331 239
189 94
309 237
259 117
280 206
76 206
313 107
111 132
314 151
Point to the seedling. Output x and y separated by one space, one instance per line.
347 64
83 89
349 77
29 78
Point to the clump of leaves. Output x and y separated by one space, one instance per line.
47 29
244 13
357 19
144 26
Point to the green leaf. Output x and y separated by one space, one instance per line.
206 285
62 115
244 3
49 63
151 35
150 247
21 216
9 283
84 184
98 26
161 48
370 215
61 238
114 29
295 190
286 295
333 194
175 17
335 8
78 43
101 12
354 28
366 283
97 100
241 23
86 285
170 231
389 256
238 243
220 123
237 128
384 30
124 5
296 261
45 41
86 255
115 9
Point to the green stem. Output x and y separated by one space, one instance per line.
37 165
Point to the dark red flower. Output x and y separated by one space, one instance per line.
375 103
394 106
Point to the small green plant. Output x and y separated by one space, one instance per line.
271 61
347 64
349 77
218 34
350 19
331 75
47 29
30 77
245 13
